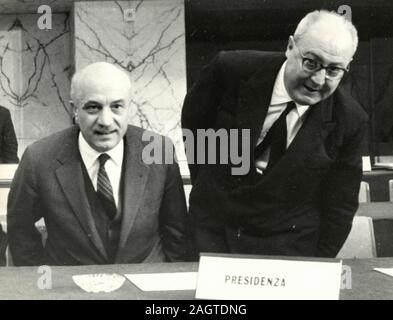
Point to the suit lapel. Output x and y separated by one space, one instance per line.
135 178
316 127
70 177
255 95
328 123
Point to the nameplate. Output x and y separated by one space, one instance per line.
233 278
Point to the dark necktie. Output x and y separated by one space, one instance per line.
104 188
276 138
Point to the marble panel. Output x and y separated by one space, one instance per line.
35 75
146 39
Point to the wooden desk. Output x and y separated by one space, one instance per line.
367 283
376 210
379 183
21 282
382 215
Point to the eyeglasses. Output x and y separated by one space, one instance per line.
311 65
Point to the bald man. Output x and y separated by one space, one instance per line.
101 203
306 141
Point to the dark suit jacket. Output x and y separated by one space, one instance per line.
305 204
8 141
49 183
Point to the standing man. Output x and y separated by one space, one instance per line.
100 202
301 192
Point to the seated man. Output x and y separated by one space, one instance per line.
101 203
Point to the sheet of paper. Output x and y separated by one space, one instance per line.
366 163
164 281
388 271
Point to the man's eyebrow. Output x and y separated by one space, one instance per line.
91 102
319 59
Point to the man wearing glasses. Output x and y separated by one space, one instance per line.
306 133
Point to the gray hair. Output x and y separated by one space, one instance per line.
335 18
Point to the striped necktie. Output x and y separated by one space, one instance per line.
104 188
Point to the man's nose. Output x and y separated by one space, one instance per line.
105 118
319 77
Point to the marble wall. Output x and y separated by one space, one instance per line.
146 39
34 81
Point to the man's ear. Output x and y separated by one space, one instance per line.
74 112
291 42
290 45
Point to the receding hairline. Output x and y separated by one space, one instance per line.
318 16
99 70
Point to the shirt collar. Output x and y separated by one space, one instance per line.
280 94
89 155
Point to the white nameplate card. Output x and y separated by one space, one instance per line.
232 278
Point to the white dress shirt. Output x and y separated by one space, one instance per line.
112 166
278 103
